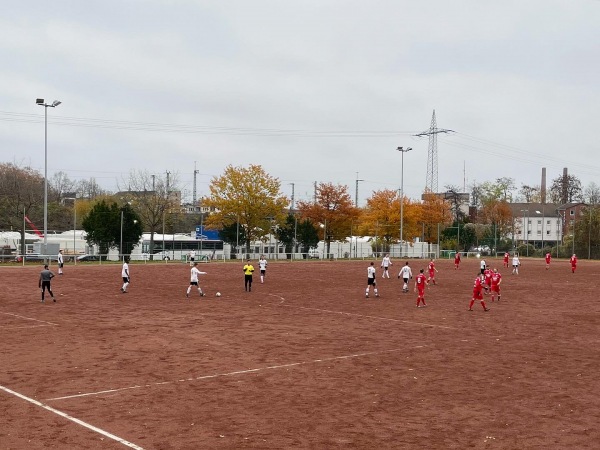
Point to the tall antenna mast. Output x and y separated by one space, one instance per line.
356 191
194 198
431 180
292 204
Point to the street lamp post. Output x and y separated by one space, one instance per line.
574 218
121 241
324 226
403 150
590 234
558 234
542 214
54 104
74 225
525 236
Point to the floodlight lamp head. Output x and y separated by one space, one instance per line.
55 103
39 101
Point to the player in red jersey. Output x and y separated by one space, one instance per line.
478 293
420 284
506 256
573 262
496 280
548 258
432 270
456 260
487 280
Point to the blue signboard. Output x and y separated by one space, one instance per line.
207 235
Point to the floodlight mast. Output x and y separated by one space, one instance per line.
403 150
54 104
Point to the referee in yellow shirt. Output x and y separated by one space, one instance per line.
248 271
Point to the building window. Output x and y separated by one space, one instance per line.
539 232
547 222
528 232
572 212
548 232
529 222
539 222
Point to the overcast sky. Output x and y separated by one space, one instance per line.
312 90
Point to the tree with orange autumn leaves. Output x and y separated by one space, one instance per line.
381 217
249 196
436 214
333 212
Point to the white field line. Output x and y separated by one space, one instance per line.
29 318
237 372
23 327
361 315
72 419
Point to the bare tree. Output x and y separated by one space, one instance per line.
592 193
151 197
506 185
476 194
453 197
566 189
59 185
530 193
21 193
89 189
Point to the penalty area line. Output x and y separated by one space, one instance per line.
239 372
371 317
29 318
72 419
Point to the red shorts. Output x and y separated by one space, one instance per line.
477 295
431 274
421 292
496 288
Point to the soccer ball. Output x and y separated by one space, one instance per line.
479 255
218 294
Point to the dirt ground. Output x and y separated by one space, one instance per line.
302 361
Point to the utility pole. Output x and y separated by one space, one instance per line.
356 191
315 200
153 181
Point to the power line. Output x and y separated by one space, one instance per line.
196 129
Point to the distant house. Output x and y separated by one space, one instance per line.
569 212
537 224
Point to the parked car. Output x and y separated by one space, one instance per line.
83 258
313 253
166 256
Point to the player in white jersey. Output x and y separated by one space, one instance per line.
405 274
371 281
61 262
194 272
262 265
516 263
385 264
125 275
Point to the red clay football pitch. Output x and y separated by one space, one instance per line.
302 361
